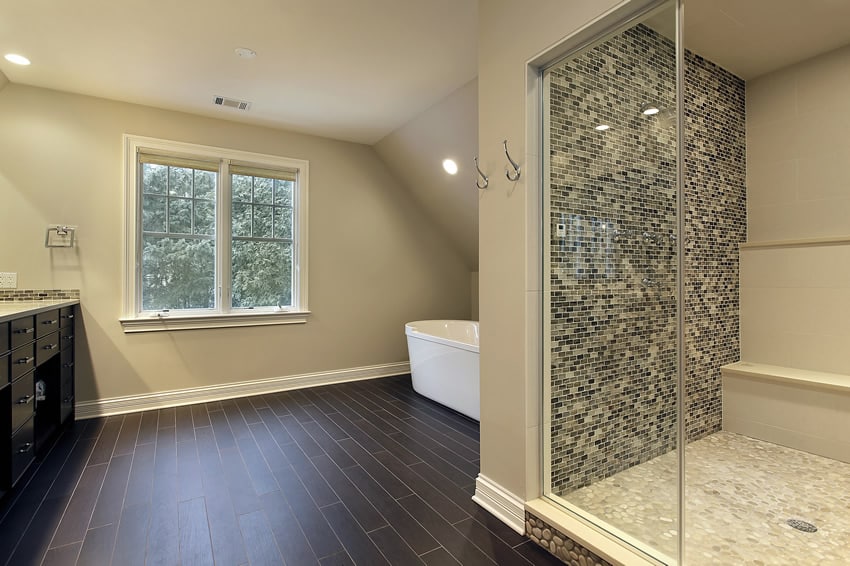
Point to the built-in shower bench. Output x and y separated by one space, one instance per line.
802 409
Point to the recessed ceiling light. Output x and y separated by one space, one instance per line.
17 59
649 109
450 166
602 127
245 53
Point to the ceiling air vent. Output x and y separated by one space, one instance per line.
232 103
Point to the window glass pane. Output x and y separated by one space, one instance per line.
205 217
205 184
179 216
180 181
262 274
241 187
178 273
241 219
154 178
262 222
283 193
153 213
282 222
263 190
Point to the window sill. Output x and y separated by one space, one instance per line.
199 321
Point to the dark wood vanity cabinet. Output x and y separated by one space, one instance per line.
36 386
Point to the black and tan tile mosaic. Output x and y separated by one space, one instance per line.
613 249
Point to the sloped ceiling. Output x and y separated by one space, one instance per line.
352 70
415 152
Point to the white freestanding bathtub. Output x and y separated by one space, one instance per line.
444 363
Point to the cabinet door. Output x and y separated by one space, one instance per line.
66 389
23 449
23 400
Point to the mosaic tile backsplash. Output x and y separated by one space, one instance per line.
38 294
613 252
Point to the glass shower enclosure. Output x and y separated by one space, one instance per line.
612 330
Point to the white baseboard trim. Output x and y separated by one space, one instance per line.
177 397
500 502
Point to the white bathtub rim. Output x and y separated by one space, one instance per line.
411 330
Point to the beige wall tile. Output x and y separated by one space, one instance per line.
771 182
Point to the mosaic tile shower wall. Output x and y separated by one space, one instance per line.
613 254
715 223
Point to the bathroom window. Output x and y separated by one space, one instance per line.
214 237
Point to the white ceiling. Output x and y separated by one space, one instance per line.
353 70
753 37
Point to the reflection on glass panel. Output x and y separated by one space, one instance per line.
179 216
262 274
262 221
153 213
205 184
241 187
177 273
610 297
263 190
180 182
154 178
241 215
283 192
204 217
282 222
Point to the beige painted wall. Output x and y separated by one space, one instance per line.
3 81
473 289
795 301
370 269
511 33
415 153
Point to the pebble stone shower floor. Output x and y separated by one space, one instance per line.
740 492
365 473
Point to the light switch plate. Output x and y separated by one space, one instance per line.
8 280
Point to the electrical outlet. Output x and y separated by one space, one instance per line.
8 280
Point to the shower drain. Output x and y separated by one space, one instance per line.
802 525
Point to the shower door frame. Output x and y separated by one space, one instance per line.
595 32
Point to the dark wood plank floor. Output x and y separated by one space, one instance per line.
364 473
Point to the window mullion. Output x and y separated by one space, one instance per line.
223 239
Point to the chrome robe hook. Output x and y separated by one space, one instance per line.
483 176
514 164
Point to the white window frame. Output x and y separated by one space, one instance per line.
133 319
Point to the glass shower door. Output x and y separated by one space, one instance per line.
611 255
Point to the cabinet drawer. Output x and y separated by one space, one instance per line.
67 363
46 348
23 331
66 337
4 369
66 317
4 338
46 322
23 449
66 397
23 400
22 360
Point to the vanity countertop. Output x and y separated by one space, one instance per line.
10 310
